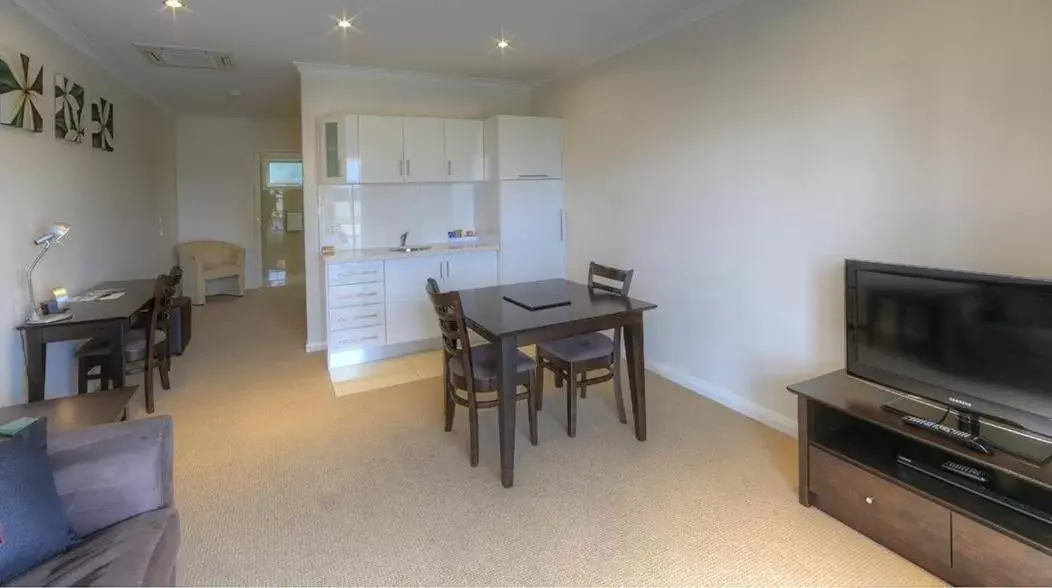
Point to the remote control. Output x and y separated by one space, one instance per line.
973 442
973 474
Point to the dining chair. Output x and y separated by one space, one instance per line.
572 358
474 370
144 349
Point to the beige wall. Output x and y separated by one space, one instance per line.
335 90
736 162
119 203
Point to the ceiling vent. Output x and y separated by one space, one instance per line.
185 58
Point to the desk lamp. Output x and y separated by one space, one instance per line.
52 236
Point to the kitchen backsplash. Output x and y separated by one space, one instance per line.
367 216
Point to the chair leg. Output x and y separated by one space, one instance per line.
539 382
571 401
617 392
451 407
584 389
473 426
147 375
531 404
165 367
82 376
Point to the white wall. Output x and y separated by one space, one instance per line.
218 177
117 202
337 90
736 162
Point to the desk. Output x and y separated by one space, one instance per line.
102 318
508 326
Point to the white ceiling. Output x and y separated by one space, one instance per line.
549 38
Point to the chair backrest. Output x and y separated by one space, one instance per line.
619 280
161 311
455 341
208 252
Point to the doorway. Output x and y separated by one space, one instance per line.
281 220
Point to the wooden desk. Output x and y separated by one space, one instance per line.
509 326
104 318
75 412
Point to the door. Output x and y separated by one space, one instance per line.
532 231
281 221
332 151
465 271
380 149
425 149
410 316
464 154
530 147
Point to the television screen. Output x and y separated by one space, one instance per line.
977 342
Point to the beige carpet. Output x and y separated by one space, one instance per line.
281 482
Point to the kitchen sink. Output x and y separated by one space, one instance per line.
410 249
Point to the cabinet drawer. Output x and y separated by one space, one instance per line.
353 317
904 522
356 338
356 273
356 295
984 557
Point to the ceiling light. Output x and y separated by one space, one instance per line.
343 23
174 4
501 44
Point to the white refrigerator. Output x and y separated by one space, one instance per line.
532 230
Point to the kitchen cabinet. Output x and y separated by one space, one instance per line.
380 145
524 148
532 231
464 271
464 151
338 150
424 149
410 316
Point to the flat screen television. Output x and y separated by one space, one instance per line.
979 343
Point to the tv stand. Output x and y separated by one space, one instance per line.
849 447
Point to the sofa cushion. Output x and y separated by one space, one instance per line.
33 524
110 480
221 271
140 551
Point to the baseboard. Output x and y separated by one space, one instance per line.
315 346
756 412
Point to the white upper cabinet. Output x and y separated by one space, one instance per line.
524 148
380 145
338 150
425 149
464 154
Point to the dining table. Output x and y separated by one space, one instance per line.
501 315
96 318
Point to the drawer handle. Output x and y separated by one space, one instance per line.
870 500
357 318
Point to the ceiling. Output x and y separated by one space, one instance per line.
549 38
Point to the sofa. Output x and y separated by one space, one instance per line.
211 267
115 482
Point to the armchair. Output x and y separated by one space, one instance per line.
212 267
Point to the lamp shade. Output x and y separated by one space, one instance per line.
54 234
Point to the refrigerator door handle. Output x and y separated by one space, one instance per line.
562 236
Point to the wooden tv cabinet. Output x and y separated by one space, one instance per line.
848 446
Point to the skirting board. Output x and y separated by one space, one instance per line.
743 406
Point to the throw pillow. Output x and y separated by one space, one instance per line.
33 525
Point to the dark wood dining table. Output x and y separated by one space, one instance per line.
100 318
509 326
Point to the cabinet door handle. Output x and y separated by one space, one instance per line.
407 168
562 237
449 167
441 273
447 269
400 172
526 176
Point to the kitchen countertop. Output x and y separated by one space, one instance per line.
383 253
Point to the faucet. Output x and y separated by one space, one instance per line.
402 239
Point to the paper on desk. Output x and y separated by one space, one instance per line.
96 295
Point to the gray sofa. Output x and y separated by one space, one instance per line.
116 484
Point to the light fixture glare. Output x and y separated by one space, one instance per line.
174 4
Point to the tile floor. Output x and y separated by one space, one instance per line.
395 372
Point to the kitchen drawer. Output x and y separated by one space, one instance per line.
356 273
353 317
355 295
355 338
984 557
916 528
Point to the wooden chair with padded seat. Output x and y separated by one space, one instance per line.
474 369
144 349
572 358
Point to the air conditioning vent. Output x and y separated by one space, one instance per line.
186 58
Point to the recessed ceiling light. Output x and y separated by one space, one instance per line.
235 93
503 44
343 23
174 4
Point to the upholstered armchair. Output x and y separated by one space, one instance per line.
212 267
